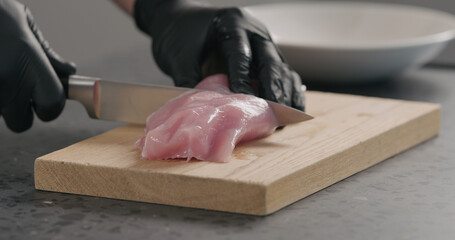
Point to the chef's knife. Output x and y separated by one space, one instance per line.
132 102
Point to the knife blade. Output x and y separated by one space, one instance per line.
133 102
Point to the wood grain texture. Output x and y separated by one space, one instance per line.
349 133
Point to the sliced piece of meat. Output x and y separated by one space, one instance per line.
206 125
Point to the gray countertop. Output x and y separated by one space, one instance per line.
409 196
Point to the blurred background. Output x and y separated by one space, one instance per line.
104 41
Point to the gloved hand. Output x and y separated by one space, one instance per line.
184 33
29 70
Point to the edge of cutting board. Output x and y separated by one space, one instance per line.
238 197
286 190
247 197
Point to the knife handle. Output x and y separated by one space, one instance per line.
81 89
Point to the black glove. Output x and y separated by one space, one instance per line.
29 70
184 33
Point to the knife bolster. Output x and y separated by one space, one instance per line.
83 89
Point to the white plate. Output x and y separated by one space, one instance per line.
353 41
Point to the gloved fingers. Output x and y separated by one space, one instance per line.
295 84
185 71
62 68
213 63
17 110
235 47
48 97
185 81
186 75
298 97
19 116
273 84
278 82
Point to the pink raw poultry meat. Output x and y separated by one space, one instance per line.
206 125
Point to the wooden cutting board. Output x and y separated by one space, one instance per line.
349 133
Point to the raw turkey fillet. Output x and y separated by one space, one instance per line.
206 125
